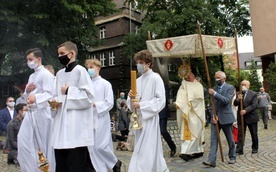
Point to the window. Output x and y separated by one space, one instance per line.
136 29
93 56
111 58
258 63
5 91
248 63
102 59
102 32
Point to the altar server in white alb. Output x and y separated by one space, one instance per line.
35 131
73 121
148 150
102 153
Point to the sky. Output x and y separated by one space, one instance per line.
245 44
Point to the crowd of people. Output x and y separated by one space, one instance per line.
79 134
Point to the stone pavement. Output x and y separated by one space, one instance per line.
264 160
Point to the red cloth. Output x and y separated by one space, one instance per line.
235 134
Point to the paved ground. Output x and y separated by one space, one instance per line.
264 160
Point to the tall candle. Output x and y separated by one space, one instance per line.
133 82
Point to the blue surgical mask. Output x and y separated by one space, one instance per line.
91 72
141 68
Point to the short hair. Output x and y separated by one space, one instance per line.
123 103
70 46
95 62
246 82
19 107
36 51
221 74
144 55
9 98
50 68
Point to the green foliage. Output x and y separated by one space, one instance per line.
271 79
170 18
167 18
46 24
255 84
232 76
134 43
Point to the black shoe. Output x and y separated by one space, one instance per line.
254 151
185 157
117 167
209 164
239 152
10 161
265 127
172 152
197 155
1 145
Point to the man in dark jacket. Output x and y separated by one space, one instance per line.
163 116
13 129
249 112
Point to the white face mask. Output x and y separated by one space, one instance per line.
141 68
244 89
32 65
11 104
24 114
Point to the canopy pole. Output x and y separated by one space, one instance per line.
239 80
209 85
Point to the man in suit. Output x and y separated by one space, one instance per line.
163 117
223 94
7 114
249 112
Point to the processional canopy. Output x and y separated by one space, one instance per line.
190 46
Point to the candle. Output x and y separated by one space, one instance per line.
133 82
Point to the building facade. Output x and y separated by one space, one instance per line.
112 30
264 31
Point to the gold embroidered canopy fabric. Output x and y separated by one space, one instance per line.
190 46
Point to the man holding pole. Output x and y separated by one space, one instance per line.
249 112
223 94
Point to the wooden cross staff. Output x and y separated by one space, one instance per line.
239 81
209 85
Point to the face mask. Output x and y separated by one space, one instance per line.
219 82
244 89
11 104
122 97
91 72
24 114
141 68
32 65
64 60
